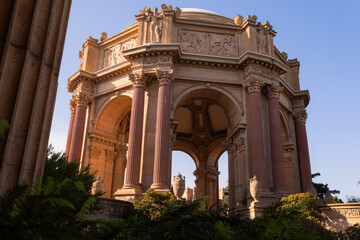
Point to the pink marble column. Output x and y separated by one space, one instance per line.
79 126
135 131
257 148
71 126
277 156
162 135
303 150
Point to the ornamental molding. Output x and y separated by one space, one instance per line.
288 148
152 60
165 77
72 105
95 137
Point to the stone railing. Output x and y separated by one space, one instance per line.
339 216
112 208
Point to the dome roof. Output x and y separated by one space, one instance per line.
204 15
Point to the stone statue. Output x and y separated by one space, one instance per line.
154 27
97 185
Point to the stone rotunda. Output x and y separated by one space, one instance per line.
195 81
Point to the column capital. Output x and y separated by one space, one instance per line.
72 105
300 117
165 77
252 85
138 79
274 90
81 99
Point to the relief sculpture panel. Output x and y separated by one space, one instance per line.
207 43
114 55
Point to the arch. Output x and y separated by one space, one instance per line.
188 148
111 114
284 128
215 154
219 95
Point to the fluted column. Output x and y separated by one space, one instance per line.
303 149
257 148
277 156
71 126
162 135
79 126
135 131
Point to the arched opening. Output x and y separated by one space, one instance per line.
223 167
109 139
204 118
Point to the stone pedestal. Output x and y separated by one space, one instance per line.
129 193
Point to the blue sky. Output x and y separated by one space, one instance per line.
323 35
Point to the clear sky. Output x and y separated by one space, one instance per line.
323 35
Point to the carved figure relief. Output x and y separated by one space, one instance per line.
114 55
207 43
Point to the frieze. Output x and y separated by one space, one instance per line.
162 59
207 43
113 55
348 212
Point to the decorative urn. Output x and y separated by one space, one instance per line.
239 195
179 185
255 188
97 185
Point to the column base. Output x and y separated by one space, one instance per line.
159 187
129 193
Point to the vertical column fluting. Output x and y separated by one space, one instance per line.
71 126
135 131
79 126
277 156
119 169
257 148
162 135
303 150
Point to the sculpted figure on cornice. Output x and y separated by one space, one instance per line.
114 55
207 43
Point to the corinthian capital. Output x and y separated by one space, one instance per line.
82 99
300 117
165 77
72 105
274 90
253 85
138 79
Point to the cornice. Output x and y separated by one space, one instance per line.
132 28
104 140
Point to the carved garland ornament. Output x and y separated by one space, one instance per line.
207 43
165 77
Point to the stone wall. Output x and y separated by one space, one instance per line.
339 216
112 208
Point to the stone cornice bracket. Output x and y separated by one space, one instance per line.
165 77
252 85
300 102
72 105
274 90
300 117
82 100
138 79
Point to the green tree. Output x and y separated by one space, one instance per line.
55 208
322 189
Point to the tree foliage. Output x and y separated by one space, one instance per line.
54 208
322 189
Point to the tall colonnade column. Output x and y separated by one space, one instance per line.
257 148
71 126
77 137
162 135
303 150
276 144
32 37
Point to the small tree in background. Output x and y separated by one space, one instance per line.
322 189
